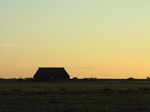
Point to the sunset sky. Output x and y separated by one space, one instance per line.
90 38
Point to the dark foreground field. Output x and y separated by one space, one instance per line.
101 96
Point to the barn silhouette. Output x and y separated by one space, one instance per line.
47 73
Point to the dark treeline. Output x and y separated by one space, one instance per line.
67 80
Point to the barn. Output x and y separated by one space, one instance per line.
48 73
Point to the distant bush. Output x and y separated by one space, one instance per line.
130 78
74 78
92 78
20 79
148 78
28 79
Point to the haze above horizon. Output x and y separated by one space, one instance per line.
90 38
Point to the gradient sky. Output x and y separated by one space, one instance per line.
90 38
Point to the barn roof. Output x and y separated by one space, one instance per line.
49 72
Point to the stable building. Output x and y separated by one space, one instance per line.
48 73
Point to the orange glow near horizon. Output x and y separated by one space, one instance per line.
90 38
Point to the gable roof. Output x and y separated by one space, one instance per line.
51 72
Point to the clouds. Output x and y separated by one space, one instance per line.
35 46
7 45
51 46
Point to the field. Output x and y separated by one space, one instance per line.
76 96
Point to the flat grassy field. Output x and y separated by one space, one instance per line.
98 96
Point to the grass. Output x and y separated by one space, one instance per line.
101 96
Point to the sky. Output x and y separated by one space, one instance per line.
90 38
